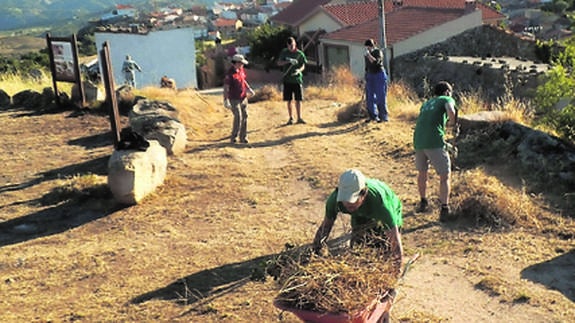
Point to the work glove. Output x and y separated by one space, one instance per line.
227 104
317 249
452 150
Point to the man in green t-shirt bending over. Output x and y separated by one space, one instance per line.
375 212
430 146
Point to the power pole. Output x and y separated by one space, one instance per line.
382 38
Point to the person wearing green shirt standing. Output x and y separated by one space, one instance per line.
375 211
430 146
292 60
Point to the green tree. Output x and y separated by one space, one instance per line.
267 41
559 85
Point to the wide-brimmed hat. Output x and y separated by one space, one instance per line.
239 58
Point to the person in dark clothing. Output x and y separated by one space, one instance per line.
375 83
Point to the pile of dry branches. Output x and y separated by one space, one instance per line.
335 284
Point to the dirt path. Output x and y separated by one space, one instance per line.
186 253
312 155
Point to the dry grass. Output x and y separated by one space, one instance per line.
267 93
484 200
498 287
14 83
78 188
335 284
515 109
340 85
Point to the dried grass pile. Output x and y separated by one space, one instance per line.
483 199
345 283
352 112
266 93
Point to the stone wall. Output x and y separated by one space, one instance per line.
485 41
484 68
541 158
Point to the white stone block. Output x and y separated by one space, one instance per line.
133 174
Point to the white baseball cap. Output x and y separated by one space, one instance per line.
351 182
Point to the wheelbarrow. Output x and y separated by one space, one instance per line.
377 311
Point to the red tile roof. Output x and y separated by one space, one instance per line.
352 13
400 25
487 12
221 22
361 11
298 11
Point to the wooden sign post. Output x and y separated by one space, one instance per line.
111 101
63 53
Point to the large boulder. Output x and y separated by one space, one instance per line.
542 155
126 99
28 99
481 119
134 174
157 120
91 93
5 99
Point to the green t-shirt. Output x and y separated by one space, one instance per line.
301 59
380 205
430 127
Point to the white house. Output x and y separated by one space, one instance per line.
169 52
333 33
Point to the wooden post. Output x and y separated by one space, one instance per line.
77 72
53 69
111 101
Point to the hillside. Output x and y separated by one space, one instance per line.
21 14
68 252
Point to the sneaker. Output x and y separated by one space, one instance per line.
290 122
300 121
244 141
233 140
422 207
444 214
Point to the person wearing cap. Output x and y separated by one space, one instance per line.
129 67
431 147
375 211
292 60
375 83
236 90
166 82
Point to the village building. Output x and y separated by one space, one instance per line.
170 52
332 33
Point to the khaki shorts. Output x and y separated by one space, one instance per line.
438 157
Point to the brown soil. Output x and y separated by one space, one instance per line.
186 253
